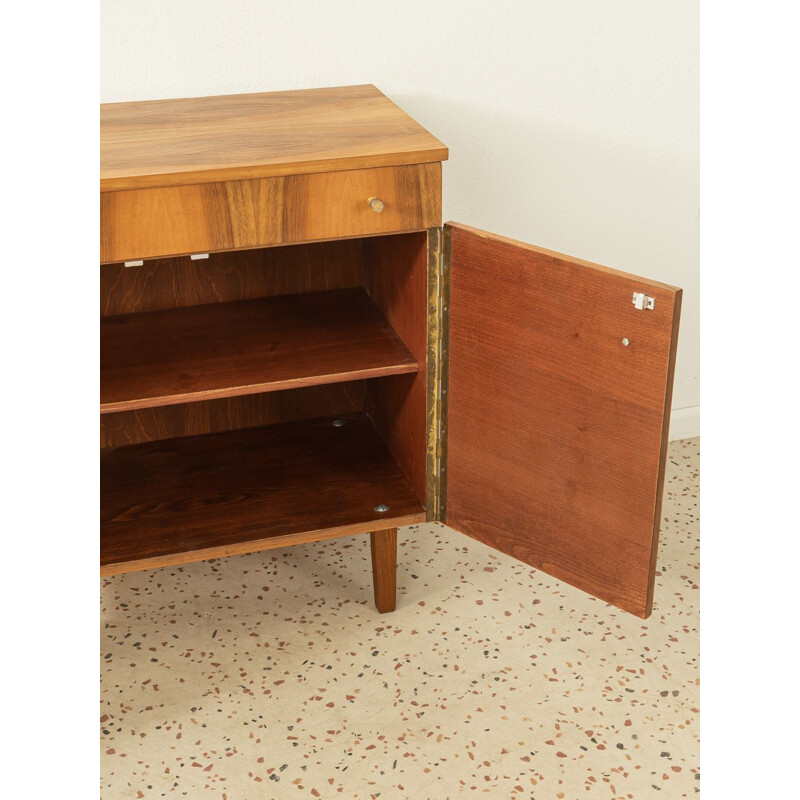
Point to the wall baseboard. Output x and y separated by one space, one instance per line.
684 423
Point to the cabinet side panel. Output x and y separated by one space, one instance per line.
559 391
396 277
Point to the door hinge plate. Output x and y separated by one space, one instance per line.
438 323
642 301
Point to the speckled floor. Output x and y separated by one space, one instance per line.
273 676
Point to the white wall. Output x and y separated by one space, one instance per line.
572 124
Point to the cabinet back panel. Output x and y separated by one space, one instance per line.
223 277
230 413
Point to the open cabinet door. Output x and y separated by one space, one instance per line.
559 394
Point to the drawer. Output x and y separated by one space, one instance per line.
330 205
232 215
199 218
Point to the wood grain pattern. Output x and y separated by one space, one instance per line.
161 358
180 220
396 278
210 139
230 413
210 217
200 497
334 204
383 547
223 277
557 431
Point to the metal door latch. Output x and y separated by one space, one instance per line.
641 300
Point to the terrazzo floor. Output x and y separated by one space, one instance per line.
273 676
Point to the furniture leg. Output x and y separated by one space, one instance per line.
384 568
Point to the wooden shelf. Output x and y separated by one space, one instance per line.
186 499
182 355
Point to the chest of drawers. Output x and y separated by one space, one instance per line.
294 348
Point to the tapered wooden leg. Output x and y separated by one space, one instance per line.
384 568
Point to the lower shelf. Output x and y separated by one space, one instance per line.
188 499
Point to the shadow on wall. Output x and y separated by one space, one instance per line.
602 198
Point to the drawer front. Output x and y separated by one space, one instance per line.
232 215
330 205
201 218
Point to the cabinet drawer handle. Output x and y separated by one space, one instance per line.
375 204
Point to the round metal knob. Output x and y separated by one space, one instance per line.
375 204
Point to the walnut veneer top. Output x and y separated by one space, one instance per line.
200 139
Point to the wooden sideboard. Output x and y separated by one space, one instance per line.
293 348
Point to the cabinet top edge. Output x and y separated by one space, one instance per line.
158 143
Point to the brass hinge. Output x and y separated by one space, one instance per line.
438 337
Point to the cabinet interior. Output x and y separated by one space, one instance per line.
263 397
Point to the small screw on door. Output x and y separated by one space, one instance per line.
626 342
381 509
